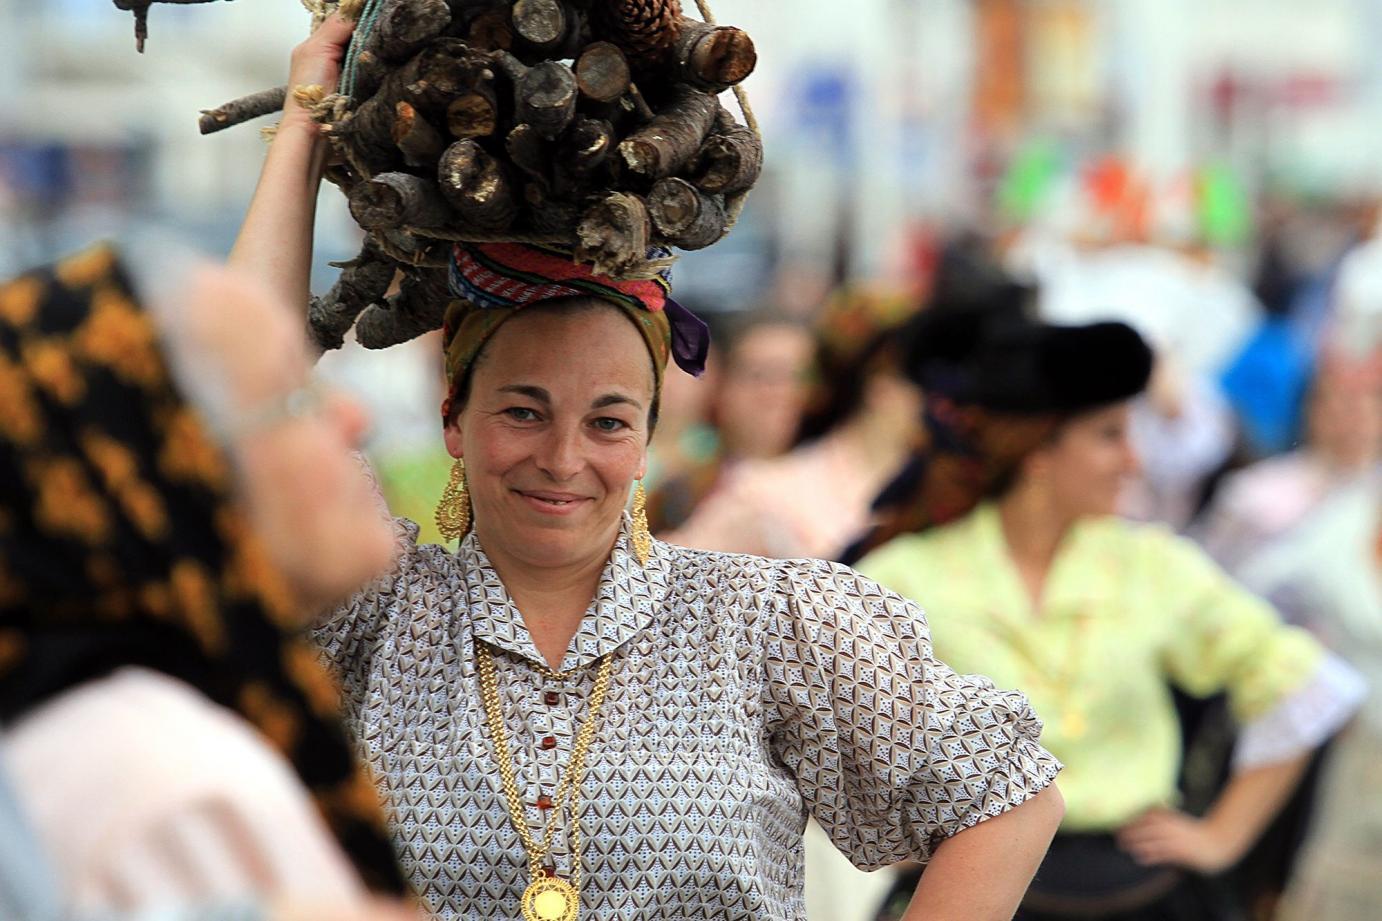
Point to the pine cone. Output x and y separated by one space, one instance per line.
645 30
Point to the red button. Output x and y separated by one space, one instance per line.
551 698
549 742
544 802
549 872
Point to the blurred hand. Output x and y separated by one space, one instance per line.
372 910
1170 837
318 60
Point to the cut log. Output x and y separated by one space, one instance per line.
370 71
492 30
475 185
602 72
474 114
548 214
530 152
542 24
242 110
363 281
392 200
420 143
428 82
411 249
585 146
544 96
667 143
730 162
685 216
639 105
406 26
418 308
613 234
713 58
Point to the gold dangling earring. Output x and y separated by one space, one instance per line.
642 538
453 511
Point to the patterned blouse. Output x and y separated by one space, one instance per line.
745 693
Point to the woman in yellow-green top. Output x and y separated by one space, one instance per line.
1003 528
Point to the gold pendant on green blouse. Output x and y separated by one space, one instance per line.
551 899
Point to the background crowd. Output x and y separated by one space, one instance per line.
1203 172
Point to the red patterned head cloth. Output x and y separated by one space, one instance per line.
493 281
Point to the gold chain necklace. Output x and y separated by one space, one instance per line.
547 898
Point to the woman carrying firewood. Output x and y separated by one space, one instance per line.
570 719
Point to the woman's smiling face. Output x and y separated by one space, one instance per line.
554 431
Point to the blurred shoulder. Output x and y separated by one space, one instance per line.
1145 543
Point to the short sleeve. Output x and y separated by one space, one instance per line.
1223 637
893 752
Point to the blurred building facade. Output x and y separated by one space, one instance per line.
882 116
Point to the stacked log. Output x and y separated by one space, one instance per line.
589 123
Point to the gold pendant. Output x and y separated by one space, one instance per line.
549 898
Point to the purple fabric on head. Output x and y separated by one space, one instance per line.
690 338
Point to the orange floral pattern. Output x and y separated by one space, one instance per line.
66 503
122 338
19 301
19 418
120 472
189 454
50 364
86 269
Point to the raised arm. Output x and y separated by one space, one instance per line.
275 242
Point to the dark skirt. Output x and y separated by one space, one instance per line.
1088 878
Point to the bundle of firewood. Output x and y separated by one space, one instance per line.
593 124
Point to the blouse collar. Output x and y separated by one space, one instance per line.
627 598
1083 577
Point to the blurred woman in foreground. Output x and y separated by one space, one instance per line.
174 493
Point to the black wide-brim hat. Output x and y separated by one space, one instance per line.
992 355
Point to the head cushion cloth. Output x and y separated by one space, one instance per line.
493 281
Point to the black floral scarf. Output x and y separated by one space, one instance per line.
120 544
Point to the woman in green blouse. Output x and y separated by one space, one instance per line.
1004 527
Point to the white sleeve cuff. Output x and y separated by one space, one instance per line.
1305 719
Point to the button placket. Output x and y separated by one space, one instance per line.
549 735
